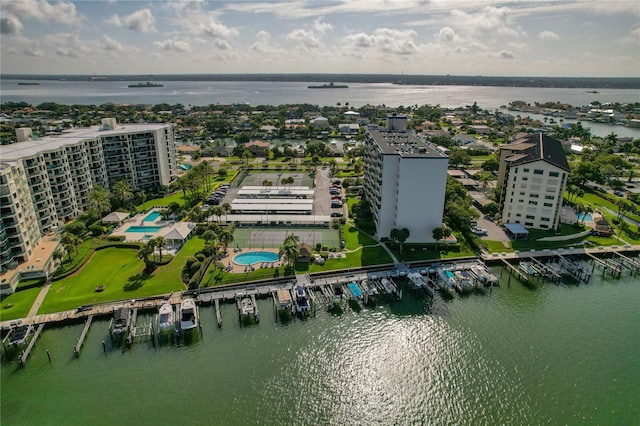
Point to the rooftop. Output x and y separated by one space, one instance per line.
538 147
18 150
404 144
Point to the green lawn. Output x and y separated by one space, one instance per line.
17 305
496 246
595 201
176 197
354 238
121 272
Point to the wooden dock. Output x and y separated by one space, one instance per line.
615 271
78 346
32 342
517 272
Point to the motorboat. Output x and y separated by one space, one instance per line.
527 268
484 275
301 299
188 314
19 335
120 322
464 278
447 277
246 306
165 317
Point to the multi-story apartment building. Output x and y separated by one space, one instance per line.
533 175
404 181
46 182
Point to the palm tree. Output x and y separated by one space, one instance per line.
289 252
58 255
122 192
438 234
226 209
225 237
70 243
247 155
144 253
160 243
292 239
99 200
403 235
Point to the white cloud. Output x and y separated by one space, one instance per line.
490 20
506 54
446 34
174 44
141 20
10 25
34 52
548 35
61 12
222 44
400 42
111 44
303 38
321 27
217 30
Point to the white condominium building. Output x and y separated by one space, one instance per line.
533 175
404 181
46 182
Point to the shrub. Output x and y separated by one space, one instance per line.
115 238
76 227
194 281
96 230
200 257
318 246
195 267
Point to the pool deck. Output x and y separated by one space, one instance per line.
239 269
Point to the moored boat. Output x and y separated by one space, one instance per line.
302 300
246 306
188 314
166 321
19 335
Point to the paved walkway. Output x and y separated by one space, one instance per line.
38 302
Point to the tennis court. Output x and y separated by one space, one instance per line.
274 237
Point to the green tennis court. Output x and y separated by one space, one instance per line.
253 237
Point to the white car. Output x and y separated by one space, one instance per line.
479 231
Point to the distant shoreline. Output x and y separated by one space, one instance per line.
435 80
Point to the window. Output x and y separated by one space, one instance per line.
526 170
525 178
544 219
538 172
518 215
534 195
530 217
515 170
520 201
521 193
533 203
548 204
549 197
544 226
554 174
528 224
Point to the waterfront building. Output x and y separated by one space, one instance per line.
404 181
533 175
46 182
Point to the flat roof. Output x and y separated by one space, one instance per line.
275 192
516 228
268 218
405 144
275 187
18 150
278 206
265 201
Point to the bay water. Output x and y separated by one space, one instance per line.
560 354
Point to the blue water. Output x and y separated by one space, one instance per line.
148 229
355 290
152 217
255 257
584 216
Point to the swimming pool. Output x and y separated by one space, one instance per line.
255 257
151 217
586 217
146 229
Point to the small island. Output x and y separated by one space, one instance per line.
24 83
329 86
147 84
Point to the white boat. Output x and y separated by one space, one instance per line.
246 306
188 314
528 268
301 299
464 279
484 276
447 277
120 322
165 317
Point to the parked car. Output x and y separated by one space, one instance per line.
478 231
618 193
336 214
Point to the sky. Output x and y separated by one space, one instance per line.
431 37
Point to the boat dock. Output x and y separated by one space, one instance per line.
85 330
25 354
517 272
607 265
549 273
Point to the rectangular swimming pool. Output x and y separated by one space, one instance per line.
145 229
151 217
